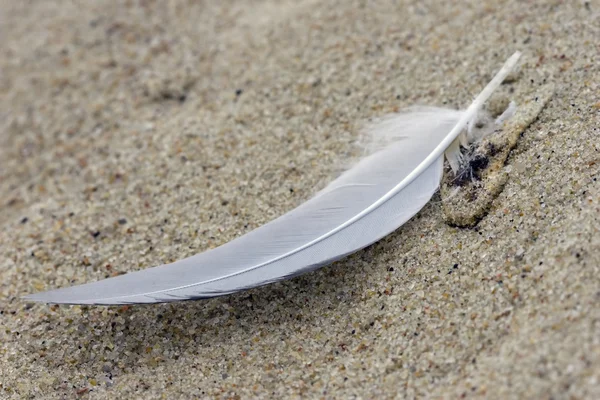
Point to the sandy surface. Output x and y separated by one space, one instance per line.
138 134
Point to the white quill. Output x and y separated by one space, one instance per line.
367 202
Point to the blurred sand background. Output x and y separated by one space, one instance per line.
137 133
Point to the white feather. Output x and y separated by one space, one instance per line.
369 201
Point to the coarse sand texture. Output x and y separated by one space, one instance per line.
137 133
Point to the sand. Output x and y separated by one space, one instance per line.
138 133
